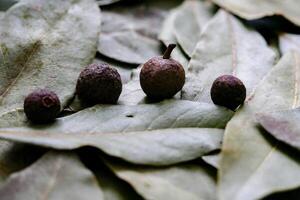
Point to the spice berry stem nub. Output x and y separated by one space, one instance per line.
169 50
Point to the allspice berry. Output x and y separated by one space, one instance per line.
162 77
99 84
228 91
42 106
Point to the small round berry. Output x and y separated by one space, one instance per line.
162 77
99 84
42 106
228 91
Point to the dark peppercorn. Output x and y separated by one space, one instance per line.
99 84
228 91
162 77
42 106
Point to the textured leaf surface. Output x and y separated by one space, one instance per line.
54 41
283 125
289 42
253 166
213 159
159 147
191 181
189 20
254 9
167 36
54 176
113 188
128 46
154 125
240 51
129 34
15 157
123 118
132 93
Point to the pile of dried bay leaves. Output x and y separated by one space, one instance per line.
185 148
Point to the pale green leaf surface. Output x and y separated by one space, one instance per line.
283 125
167 36
159 147
213 160
189 20
166 114
132 93
55 176
289 42
113 188
190 181
15 157
128 46
129 34
254 9
240 52
45 44
156 136
251 165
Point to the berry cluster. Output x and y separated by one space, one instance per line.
160 78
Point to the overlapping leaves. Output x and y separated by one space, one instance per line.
143 149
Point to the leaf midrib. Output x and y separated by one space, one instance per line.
35 48
275 147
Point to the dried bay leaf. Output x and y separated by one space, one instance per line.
240 51
253 166
156 134
189 20
54 176
166 114
213 159
15 157
128 47
188 181
112 187
129 34
157 147
48 50
40 54
132 93
283 125
254 9
289 42
167 36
